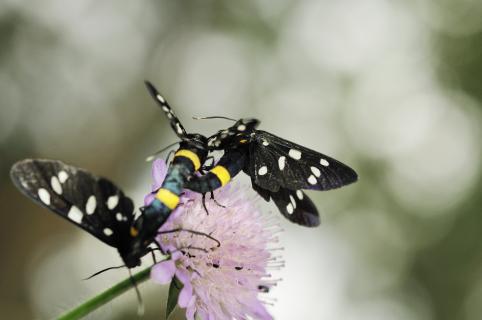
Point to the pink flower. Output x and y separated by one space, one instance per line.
159 171
225 281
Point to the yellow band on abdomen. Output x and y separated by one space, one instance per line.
169 199
191 156
222 173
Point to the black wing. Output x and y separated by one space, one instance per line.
277 163
173 120
294 205
92 203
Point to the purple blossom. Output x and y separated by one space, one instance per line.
159 171
218 282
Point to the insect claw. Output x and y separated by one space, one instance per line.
215 201
204 203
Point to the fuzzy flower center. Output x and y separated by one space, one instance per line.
221 258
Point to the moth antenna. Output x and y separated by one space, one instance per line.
199 233
153 156
103 270
214 117
171 152
140 303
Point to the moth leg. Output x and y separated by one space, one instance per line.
199 233
193 270
190 248
215 201
204 203
153 255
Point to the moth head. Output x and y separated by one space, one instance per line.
245 125
236 135
196 139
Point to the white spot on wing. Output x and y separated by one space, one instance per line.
281 162
166 109
293 201
312 179
290 208
323 162
241 127
299 194
316 171
179 128
160 98
44 196
108 231
63 176
118 216
55 184
265 143
112 202
263 170
90 205
75 214
295 154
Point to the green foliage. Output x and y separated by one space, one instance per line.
174 290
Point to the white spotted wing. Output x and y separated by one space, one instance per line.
162 102
277 163
293 205
95 204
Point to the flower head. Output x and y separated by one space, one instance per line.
222 277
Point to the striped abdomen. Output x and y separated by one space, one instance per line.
184 164
230 164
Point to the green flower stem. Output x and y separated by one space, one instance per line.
106 296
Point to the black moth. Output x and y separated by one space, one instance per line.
279 169
94 204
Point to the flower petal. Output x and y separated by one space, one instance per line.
185 295
159 172
202 314
149 198
163 272
183 275
260 311
191 309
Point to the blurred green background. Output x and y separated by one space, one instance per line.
392 88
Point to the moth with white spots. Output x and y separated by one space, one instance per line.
92 203
280 169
